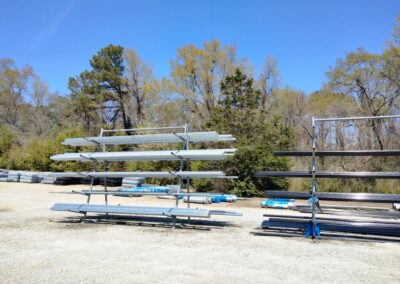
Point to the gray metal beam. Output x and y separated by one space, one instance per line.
307 218
134 210
307 174
357 118
336 196
385 215
351 153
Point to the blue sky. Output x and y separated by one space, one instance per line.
57 38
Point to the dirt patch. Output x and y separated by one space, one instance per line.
6 209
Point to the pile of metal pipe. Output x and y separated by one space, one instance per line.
344 226
3 175
29 177
132 181
13 176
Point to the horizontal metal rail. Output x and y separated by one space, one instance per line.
349 207
140 210
165 155
338 153
178 174
386 215
336 196
193 137
134 210
140 129
307 218
356 118
306 174
151 193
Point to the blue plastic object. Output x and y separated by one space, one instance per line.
308 231
216 199
224 198
278 203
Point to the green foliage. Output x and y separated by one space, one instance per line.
104 88
7 141
257 136
203 185
365 77
244 188
36 152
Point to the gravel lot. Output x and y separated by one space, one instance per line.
38 245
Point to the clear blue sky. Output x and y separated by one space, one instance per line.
57 38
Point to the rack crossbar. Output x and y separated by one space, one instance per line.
335 196
306 174
338 153
356 118
134 210
385 215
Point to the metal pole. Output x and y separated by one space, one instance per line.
187 169
180 178
105 169
105 183
90 190
313 182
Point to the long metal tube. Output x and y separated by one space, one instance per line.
332 219
187 169
335 196
185 174
388 215
90 190
356 118
140 129
351 153
304 174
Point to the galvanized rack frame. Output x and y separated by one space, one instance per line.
315 175
182 156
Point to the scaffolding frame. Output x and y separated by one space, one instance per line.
311 223
185 140
314 122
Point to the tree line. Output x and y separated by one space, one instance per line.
210 88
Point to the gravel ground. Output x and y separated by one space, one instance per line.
38 245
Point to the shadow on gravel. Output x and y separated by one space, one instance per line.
152 222
325 236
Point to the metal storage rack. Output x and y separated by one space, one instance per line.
185 155
337 225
